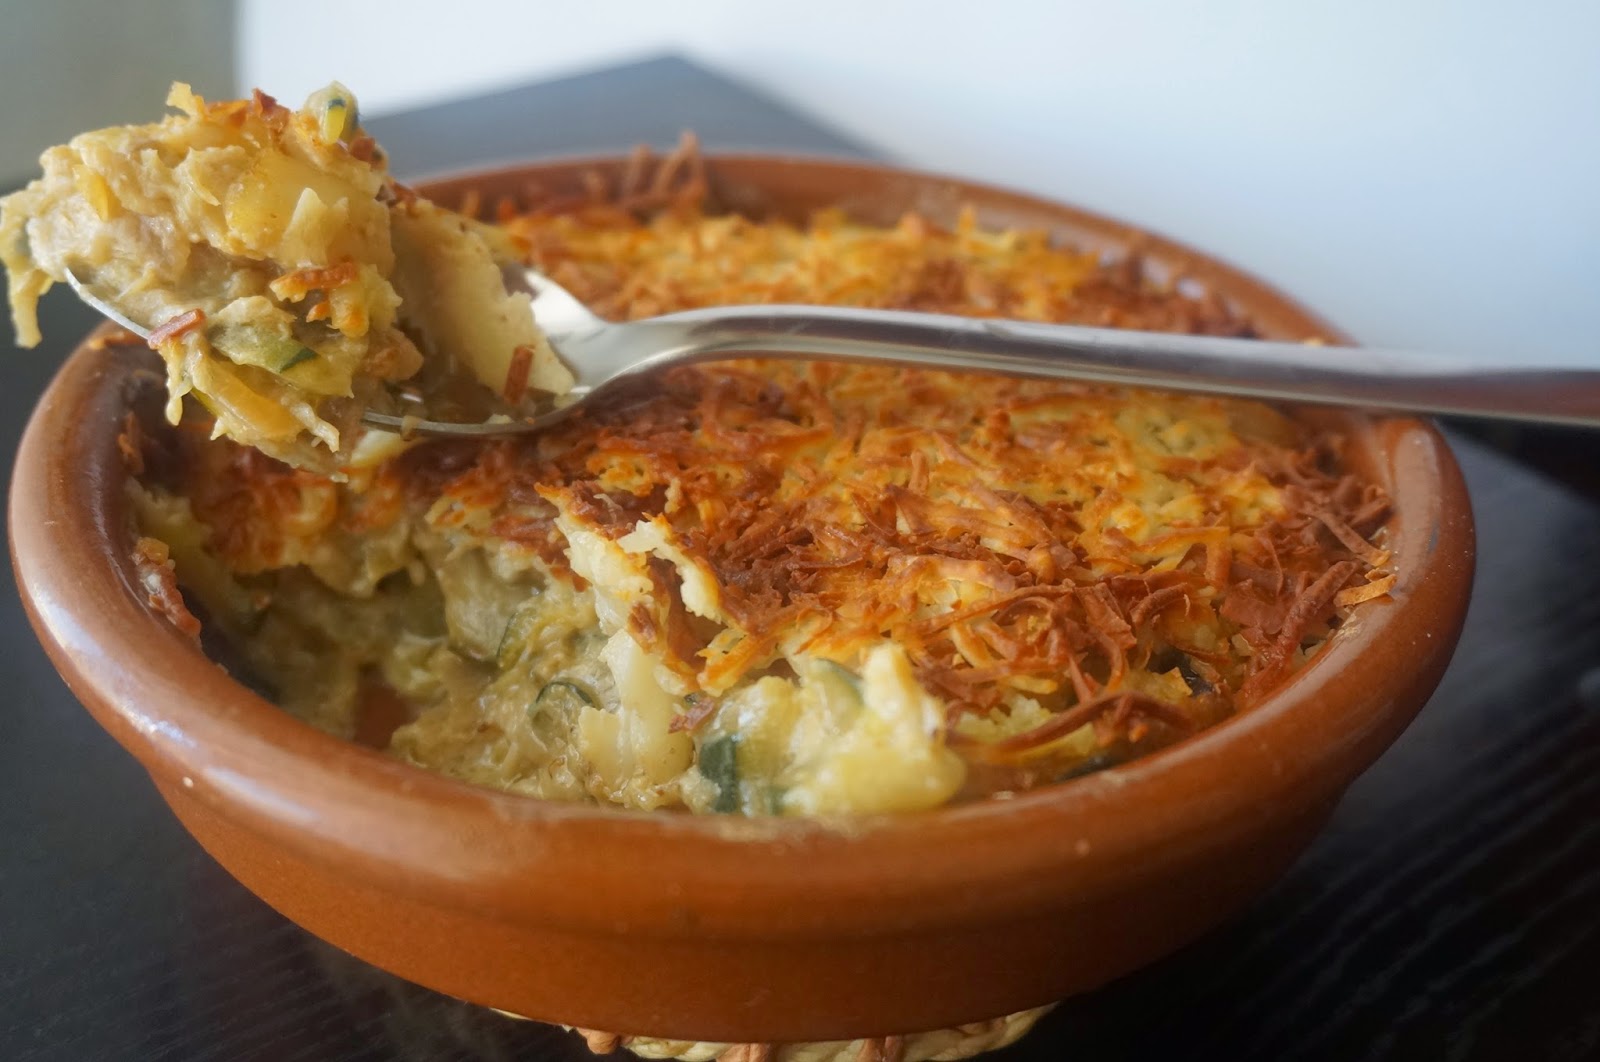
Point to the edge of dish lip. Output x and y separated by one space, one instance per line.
251 733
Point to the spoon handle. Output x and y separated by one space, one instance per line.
1355 376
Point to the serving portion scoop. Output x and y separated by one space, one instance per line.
601 353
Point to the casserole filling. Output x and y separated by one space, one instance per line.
792 588
765 588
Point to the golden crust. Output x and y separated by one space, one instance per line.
1138 562
1012 536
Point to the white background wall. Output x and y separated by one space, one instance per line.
1424 173
71 65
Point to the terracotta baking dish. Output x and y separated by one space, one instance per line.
720 928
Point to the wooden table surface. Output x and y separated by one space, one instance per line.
1451 911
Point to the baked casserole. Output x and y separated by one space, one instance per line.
758 588
789 588
768 588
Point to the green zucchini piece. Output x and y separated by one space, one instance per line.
845 673
303 354
264 348
841 684
339 119
515 637
719 763
563 694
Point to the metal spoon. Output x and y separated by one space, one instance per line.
601 353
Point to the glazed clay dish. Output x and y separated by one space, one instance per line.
726 928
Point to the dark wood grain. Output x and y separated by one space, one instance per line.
1451 911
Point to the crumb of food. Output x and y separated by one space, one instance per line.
130 444
158 576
